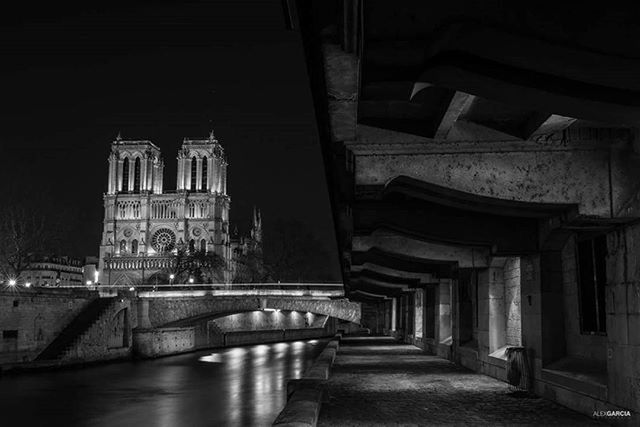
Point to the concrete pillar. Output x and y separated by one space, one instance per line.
444 310
394 303
496 309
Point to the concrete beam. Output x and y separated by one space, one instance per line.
459 105
553 124
406 246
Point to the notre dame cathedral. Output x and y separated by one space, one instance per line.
146 228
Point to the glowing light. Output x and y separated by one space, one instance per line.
27 285
89 282
132 289
211 358
172 276
12 282
270 309
95 276
190 279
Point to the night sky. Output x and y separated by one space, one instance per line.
74 76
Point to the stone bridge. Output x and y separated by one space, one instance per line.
157 309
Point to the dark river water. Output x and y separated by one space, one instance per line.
240 386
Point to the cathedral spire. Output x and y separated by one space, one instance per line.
119 137
212 136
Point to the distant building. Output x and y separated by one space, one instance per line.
90 271
53 271
145 226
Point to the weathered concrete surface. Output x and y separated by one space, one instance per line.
301 410
376 382
390 241
595 174
579 177
623 317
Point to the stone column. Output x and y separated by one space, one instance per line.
119 179
180 178
210 172
198 174
224 178
143 173
132 173
160 176
187 174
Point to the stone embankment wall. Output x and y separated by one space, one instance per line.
108 338
30 319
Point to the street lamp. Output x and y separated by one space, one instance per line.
171 277
12 282
190 279
27 285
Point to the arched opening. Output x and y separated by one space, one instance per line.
136 175
203 245
134 247
204 173
123 246
192 246
125 175
194 173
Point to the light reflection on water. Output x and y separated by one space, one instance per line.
240 386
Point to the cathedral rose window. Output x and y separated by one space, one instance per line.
163 240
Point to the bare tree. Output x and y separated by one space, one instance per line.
202 266
23 232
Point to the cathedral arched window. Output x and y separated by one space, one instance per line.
123 246
194 173
125 175
134 247
203 245
192 246
204 173
136 175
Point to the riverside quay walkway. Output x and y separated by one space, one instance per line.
377 381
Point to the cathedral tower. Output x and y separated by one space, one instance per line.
134 167
202 166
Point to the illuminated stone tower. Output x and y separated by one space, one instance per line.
144 225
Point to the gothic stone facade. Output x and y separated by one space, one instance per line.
144 225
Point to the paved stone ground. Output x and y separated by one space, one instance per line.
376 382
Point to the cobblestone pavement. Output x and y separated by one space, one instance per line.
378 382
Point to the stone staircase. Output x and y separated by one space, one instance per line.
74 330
